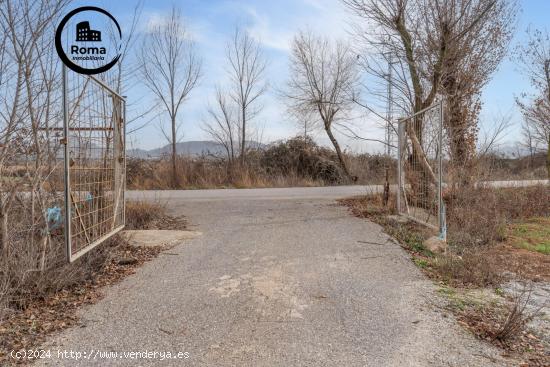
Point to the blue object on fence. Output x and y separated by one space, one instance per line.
54 218
443 227
89 197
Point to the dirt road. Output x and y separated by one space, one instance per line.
280 277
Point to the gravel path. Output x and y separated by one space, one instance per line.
280 277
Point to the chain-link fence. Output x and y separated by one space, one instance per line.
420 169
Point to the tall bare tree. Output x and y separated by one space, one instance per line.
323 81
438 48
237 103
171 69
223 127
247 67
534 58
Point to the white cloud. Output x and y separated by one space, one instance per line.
262 30
276 30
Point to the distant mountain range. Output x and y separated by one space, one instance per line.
189 148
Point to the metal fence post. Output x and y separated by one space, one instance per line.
124 163
400 131
117 145
441 206
66 152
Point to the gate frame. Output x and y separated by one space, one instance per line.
442 224
66 157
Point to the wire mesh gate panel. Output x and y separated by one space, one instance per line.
94 158
420 170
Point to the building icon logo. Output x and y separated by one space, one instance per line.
85 34
88 53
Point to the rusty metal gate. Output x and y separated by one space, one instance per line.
420 168
94 157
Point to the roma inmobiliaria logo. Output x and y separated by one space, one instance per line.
88 40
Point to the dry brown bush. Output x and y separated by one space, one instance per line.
371 168
505 324
300 161
23 282
478 216
293 162
55 311
301 157
151 215
517 317
496 167
473 268
33 269
140 214
51 297
29 285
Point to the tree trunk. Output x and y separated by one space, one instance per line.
45 240
174 156
243 138
547 73
4 243
338 151
461 149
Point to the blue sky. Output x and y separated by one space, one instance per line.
274 23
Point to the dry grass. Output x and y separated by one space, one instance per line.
38 303
148 215
55 309
291 163
496 167
204 173
503 322
478 219
481 219
22 281
480 216
492 232
300 162
526 264
473 269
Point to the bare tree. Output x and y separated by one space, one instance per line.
437 48
29 94
223 127
306 121
171 69
235 106
528 140
323 81
246 70
534 58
